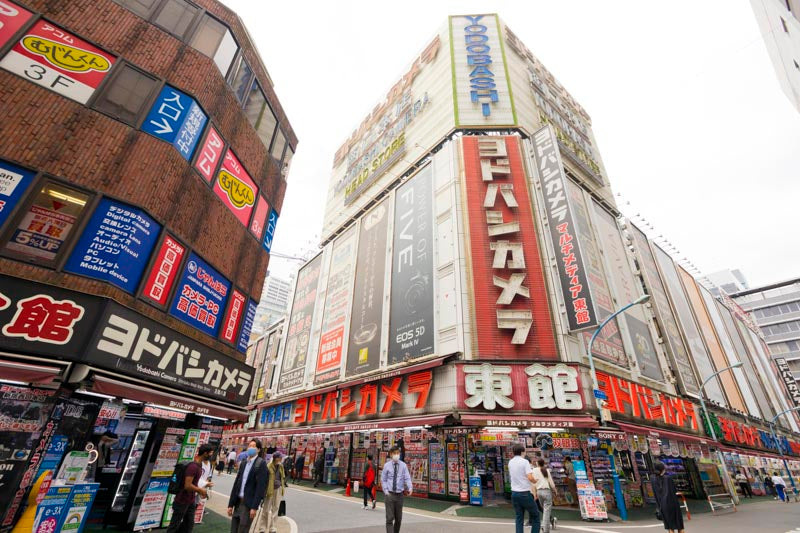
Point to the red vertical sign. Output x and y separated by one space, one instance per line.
12 18
210 154
165 269
233 317
259 218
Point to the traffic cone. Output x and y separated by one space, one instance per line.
347 489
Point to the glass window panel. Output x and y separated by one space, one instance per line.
208 35
287 161
241 78
143 8
254 105
126 95
226 52
278 144
176 16
266 126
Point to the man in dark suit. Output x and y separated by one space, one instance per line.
248 489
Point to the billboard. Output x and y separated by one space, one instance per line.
14 181
201 296
210 154
115 245
788 379
298 331
236 188
162 274
411 318
366 318
59 61
269 231
12 18
176 118
247 325
337 300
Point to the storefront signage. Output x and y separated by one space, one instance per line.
12 18
176 118
138 346
383 161
57 60
518 387
79 506
247 325
152 506
201 295
269 233
14 180
233 317
236 188
788 378
164 271
258 224
210 154
115 245
160 412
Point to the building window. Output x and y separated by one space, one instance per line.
785 27
143 8
127 94
254 106
278 145
265 127
176 17
240 78
213 39
287 161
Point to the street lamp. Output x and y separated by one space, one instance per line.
725 475
780 448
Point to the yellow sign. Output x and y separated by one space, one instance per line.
64 56
239 193
363 355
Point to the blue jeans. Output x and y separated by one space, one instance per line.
523 501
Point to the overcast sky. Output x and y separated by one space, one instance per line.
690 121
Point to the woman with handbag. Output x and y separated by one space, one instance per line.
545 490
668 509
368 481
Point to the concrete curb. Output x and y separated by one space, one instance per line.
287 524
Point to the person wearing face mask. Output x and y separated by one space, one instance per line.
276 484
185 503
396 483
248 489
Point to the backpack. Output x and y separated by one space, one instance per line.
178 479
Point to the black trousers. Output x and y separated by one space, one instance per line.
367 494
746 490
182 518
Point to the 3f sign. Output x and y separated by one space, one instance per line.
38 73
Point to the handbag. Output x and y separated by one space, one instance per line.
282 508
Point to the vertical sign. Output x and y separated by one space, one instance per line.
201 296
236 188
259 218
247 325
411 327
14 180
788 378
334 317
12 18
165 268
575 287
233 317
209 155
176 118
299 332
79 505
364 346
269 232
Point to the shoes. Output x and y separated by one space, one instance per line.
373 504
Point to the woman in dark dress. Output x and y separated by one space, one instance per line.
667 500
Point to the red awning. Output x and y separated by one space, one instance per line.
28 373
566 422
186 402
647 430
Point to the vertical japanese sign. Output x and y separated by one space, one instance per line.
115 245
247 325
49 511
512 314
201 296
14 180
572 274
176 118
57 60
153 502
233 317
269 232
411 321
259 221
79 505
12 18
236 188
788 378
299 327
366 318
210 154
334 316
164 271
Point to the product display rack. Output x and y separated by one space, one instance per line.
677 470
131 465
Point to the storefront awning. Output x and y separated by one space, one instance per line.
565 422
28 373
647 430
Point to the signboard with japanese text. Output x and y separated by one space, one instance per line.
176 118
366 317
512 313
247 325
337 299
153 503
233 317
259 222
50 509
236 188
298 333
78 508
12 18
115 245
137 346
411 317
201 296
209 155
59 61
788 378
269 233
165 268
168 453
14 180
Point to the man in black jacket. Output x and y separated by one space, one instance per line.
248 489
319 466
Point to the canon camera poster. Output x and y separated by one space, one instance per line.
299 332
411 319
364 348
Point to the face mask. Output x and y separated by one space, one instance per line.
396 457
251 452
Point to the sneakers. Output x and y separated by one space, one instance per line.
373 504
365 507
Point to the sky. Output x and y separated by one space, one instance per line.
690 121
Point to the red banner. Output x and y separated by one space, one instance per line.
209 154
233 317
12 18
165 269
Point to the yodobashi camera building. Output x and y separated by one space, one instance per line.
470 247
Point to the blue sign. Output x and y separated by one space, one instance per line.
263 417
49 511
269 232
600 395
115 246
79 505
201 295
14 181
475 491
55 451
176 118
247 325
580 470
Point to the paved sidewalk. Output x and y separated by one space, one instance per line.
217 521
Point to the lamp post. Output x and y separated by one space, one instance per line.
780 448
725 475
623 511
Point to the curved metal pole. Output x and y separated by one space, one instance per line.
780 448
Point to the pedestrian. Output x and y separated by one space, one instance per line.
231 460
769 487
368 481
299 463
319 466
572 485
185 503
521 474
780 486
744 484
288 467
248 488
221 462
545 490
207 474
667 506
272 499
396 483
242 456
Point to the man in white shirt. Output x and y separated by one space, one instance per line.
521 474
780 486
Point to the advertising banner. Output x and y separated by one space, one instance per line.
12 18
236 188
49 511
297 336
334 316
168 454
269 233
176 118
152 507
201 296
259 221
233 317
59 61
437 469
210 154
788 378
115 245
366 318
162 274
247 325
411 320
79 505
14 180
138 346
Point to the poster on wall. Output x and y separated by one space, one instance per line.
162 274
411 327
236 188
59 61
334 317
177 119
115 245
366 318
436 484
299 328
14 180
201 295
12 18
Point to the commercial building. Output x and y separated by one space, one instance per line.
779 23
273 304
143 167
471 245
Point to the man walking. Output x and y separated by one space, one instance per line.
184 505
231 460
396 483
272 501
319 467
369 482
744 484
780 486
299 463
248 489
521 474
